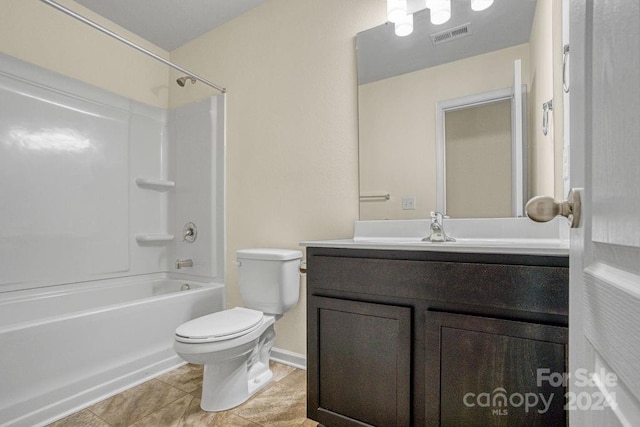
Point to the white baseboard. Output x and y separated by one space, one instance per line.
290 358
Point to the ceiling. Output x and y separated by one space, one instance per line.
170 24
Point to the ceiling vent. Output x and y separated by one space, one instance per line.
451 34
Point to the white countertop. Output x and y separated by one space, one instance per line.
549 247
519 236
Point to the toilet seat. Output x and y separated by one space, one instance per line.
220 326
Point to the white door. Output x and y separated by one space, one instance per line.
604 324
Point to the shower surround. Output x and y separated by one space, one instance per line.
96 190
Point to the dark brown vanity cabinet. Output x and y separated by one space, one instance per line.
365 355
417 338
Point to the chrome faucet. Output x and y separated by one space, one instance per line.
437 233
184 263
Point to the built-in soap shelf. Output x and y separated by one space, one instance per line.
155 184
154 238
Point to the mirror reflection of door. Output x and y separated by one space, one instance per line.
478 161
482 154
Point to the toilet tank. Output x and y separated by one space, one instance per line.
269 279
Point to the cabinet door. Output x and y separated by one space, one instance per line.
493 372
359 363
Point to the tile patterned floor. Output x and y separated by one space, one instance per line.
173 400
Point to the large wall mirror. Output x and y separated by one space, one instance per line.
421 148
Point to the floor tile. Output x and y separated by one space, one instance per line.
183 412
80 419
187 378
173 400
283 404
280 370
136 403
229 419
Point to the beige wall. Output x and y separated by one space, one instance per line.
36 33
397 113
292 134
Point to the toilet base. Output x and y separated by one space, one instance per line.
226 383
234 370
260 382
230 390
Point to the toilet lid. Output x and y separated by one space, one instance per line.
222 325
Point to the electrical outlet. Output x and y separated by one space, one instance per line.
408 203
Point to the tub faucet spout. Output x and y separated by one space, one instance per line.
183 263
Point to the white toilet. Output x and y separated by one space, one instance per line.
234 345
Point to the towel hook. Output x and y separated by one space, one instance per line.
546 107
565 63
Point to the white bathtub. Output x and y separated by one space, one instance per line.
65 347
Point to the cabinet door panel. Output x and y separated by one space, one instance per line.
363 361
494 372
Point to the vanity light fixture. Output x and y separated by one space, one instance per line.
397 13
479 5
440 11
404 27
396 10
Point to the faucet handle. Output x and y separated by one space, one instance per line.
436 214
189 232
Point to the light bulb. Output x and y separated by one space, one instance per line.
396 10
479 5
404 27
440 11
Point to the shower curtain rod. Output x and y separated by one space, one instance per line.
131 44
